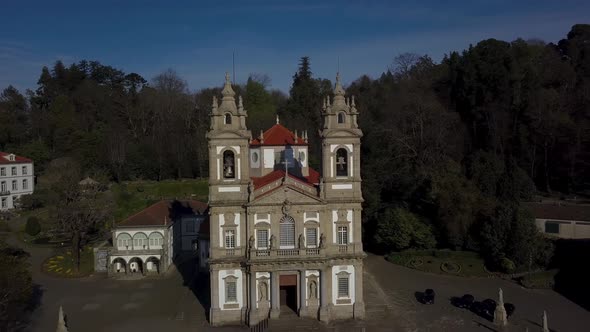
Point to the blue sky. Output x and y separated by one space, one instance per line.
197 38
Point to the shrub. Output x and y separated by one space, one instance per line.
544 279
507 265
33 227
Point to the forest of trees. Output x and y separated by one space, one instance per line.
450 149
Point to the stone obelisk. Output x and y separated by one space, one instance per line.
61 323
500 318
545 325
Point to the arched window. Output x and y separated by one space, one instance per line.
124 241
341 117
341 162
287 232
229 169
156 240
140 241
227 118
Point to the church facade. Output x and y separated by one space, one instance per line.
283 236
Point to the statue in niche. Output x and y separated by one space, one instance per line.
322 241
313 288
251 242
228 165
301 241
272 241
263 296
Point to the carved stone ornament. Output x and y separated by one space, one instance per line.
286 207
342 214
229 218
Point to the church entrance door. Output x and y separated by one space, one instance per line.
288 288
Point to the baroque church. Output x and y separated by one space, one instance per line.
284 236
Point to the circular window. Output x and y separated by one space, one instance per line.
254 157
302 156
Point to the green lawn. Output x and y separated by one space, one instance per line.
132 197
460 263
543 279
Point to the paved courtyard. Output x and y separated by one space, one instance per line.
101 304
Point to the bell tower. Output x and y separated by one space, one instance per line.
341 145
228 140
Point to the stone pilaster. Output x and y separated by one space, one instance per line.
326 297
359 303
252 310
302 296
275 301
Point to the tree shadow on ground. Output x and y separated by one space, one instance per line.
196 281
572 279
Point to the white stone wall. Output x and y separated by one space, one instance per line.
568 229
9 200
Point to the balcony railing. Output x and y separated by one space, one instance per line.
292 253
131 251
4 192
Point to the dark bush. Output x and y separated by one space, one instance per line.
33 227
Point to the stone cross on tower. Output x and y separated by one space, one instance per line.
286 163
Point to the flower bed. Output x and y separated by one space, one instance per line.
63 264
460 263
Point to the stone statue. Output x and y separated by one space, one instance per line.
321 187
251 242
313 290
301 241
286 207
272 241
322 241
263 291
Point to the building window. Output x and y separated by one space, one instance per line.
25 184
14 185
24 170
227 119
3 186
551 227
311 237
262 238
230 239
231 291
4 202
156 239
341 162
342 235
189 226
2 171
287 232
343 286
229 169
13 171
140 241
341 117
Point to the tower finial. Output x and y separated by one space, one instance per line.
240 104
227 78
352 102
261 137
278 119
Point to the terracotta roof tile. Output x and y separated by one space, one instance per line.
577 212
279 135
17 159
312 179
164 212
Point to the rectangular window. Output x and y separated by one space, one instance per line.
4 203
13 170
3 186
343 286
230 239
342 235
2 171
231 292
551 227
14 185
190 226
287 233
24 170
25 184
311 237
262 239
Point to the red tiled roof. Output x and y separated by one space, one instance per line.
164 212
279 135
17 159
577 212
312 179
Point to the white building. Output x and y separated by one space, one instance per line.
16 179
561 219
150 240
